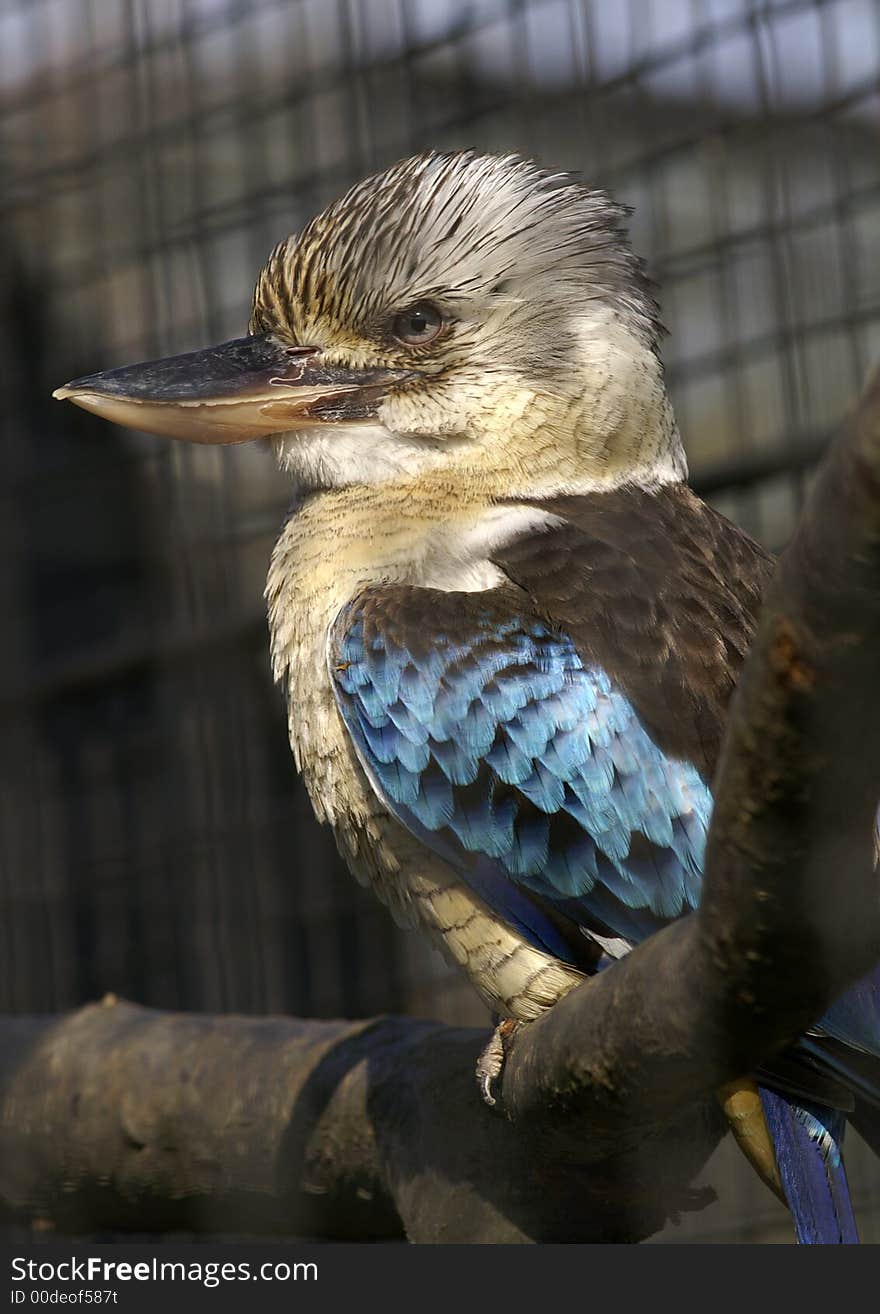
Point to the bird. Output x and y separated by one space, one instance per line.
507 628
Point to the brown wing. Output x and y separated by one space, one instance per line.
660 591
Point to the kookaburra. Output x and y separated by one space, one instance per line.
507 629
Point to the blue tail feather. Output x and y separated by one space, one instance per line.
808 1140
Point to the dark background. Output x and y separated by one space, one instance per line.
154 840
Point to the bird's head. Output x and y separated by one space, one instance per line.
458 311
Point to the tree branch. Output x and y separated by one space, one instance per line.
117 1116
123 1118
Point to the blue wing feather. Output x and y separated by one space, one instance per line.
505 746
855 1017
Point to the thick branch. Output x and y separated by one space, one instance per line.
122 1115
119 1117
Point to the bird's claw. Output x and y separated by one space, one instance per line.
490 1064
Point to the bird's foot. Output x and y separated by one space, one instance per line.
490 1064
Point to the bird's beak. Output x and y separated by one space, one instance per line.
233 393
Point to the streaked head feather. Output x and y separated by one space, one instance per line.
551 328
460 229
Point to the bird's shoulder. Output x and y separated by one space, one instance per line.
660 591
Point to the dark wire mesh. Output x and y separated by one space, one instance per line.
154 839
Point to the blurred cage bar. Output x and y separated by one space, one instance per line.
154 841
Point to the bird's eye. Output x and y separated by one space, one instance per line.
417 324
